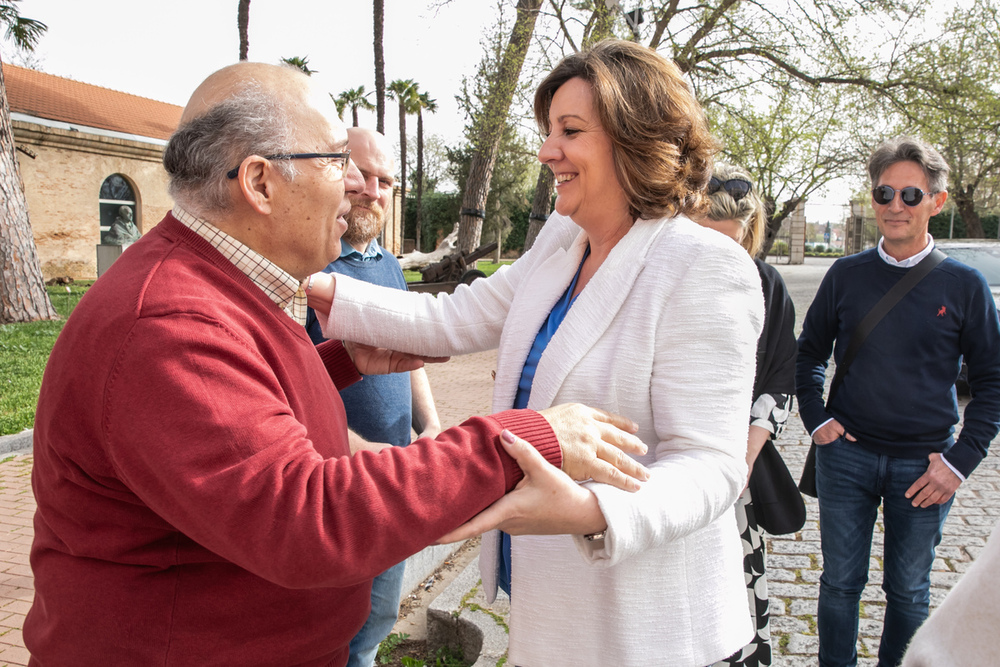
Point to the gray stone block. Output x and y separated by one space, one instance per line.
460 618
18 443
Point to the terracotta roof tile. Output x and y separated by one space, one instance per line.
56 98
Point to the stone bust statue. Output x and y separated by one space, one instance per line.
123 229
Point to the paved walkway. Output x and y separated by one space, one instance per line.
794 561
463 387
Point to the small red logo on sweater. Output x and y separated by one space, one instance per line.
942 311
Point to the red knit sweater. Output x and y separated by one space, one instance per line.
197 504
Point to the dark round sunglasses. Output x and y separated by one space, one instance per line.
737 188
911 196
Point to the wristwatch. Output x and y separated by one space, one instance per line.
596 536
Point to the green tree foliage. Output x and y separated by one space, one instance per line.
962 115
354 99
786 85
791 146
300 63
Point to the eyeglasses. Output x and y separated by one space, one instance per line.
911 196
737 188
340 160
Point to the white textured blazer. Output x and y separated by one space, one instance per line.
664 333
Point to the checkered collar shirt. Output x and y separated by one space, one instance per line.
280 286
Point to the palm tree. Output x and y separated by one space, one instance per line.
22 292
301 64
243 23
378 20
404 91
355 98
424 101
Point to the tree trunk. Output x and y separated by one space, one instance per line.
420 175
354 116
541 206
402 164
494 119
243 22
378 21
22 291
966 205
775 218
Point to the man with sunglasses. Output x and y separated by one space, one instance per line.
198 502
887 436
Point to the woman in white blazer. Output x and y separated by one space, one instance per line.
624 304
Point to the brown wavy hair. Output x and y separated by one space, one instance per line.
662 146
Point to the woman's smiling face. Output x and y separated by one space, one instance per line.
580 154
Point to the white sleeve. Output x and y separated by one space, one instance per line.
701 386
469 320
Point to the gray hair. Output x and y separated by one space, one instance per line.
910 149
748 211
251 122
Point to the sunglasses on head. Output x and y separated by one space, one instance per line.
911 196
737 188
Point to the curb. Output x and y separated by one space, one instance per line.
459 617
18 443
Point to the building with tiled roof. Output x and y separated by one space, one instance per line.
86 153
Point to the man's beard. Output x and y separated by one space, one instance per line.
363 225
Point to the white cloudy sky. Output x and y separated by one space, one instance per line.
163 48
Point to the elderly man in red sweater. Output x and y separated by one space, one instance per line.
197 500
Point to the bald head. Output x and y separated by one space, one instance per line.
372 154
367 143
285 83
243 110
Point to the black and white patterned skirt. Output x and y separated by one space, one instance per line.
758 652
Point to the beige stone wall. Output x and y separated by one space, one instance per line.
62 184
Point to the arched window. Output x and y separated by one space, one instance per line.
117 202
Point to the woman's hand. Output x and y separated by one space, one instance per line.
319 289
545 502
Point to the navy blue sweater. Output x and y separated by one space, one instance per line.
898 396
379 407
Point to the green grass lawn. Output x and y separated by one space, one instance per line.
24 350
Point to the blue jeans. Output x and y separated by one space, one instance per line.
852 482
386 589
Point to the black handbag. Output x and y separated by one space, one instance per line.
777 503
807 483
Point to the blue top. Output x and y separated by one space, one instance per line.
898 398
372 251
545 334
379 407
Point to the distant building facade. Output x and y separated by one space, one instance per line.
85 152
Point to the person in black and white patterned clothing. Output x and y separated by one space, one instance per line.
738 212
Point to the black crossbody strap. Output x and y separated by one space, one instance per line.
878 311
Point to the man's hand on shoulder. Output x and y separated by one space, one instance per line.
380 361
936 485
